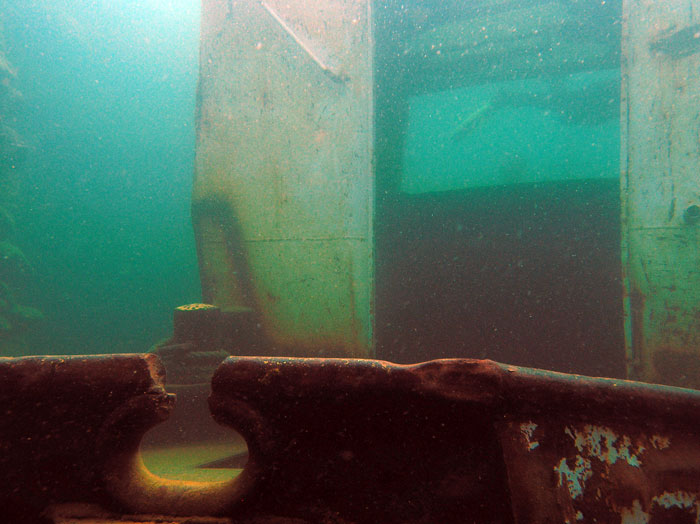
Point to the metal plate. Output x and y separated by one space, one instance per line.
283 191
660 187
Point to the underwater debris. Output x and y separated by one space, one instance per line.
472 122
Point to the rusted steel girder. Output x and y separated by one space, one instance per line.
460 441
65 420
357 441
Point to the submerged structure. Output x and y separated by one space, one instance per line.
352 441
310 215
392 181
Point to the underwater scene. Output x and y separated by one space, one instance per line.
97 152
99 246
396 216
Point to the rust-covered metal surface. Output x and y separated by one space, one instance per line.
70 429
283 189
460 441
661 189
65 420
353 441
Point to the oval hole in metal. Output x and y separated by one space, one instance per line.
135 489
190 445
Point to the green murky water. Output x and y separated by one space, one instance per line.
497 159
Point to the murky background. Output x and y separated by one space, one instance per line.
101 208
497 218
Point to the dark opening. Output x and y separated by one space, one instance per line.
497 213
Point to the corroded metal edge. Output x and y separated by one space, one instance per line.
357 441
70 429
547 447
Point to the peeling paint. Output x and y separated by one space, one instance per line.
634 515
610 452
603 444
575 478
660 442
578 516
678 499
528 431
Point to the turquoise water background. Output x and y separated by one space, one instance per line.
109 93
542 138
108 108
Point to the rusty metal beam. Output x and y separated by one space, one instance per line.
62 420
459 441
353 441
70 429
